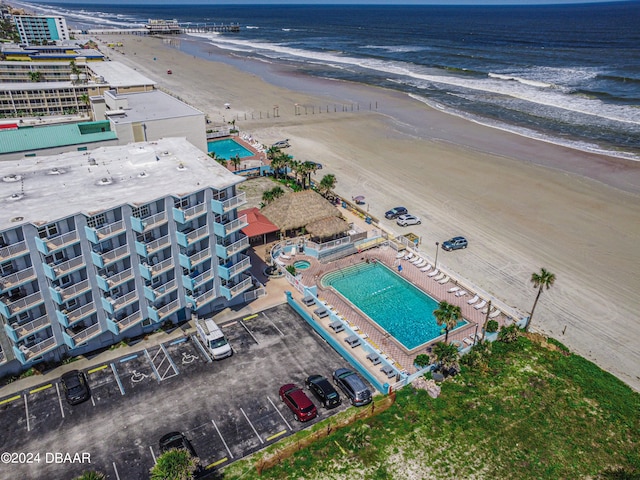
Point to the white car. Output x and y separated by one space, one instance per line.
407 219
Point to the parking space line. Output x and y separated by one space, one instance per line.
274 325
281 416
251 424
97 369
215 464
39 389
250 317
249 332
26 409
115 469
10 399
130 357
118 381
180 340
153 367
221 438
59 400
276 435
153 455
173 365
201 348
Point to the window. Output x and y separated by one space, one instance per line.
181 203
48 231
71 304
97 220
6 268
140 212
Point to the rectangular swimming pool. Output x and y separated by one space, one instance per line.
228 148
397 306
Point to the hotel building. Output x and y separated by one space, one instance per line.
107 244
40 30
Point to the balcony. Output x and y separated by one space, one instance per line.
17 332
10 306
221 207
149 248
18 278
68 318
231 290
230 270
26 354
13 251
157 314
96 235
61 295
113 304
184 215
154 293
226 229
227 251
119 326
50 245
107 283
195 259
102 259
142 225
74 340
186 239
55 271
200 301
150 271
191 283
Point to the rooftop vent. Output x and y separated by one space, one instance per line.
15 196
104 181
12 178
17 219
181 166
143 174
55 171
92 161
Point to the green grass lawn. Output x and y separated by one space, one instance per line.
529 412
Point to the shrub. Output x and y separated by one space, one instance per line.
422 360
509 334
492 326
291 269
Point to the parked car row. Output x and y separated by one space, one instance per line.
404 219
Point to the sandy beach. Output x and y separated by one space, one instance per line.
523 204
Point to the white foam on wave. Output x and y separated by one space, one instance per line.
395 48
533 83
251 27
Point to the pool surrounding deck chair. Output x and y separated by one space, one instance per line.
309 300
337 326
321 312
473 300
461 293
426 268
353 341
480 305
434 273
453 289
443 280
495 313
374 358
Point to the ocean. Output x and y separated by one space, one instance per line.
564 74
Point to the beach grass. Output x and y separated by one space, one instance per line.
534 411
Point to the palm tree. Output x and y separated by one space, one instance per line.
90 475
327 184
445 354
309 168
235 161
175 464
540 280
277 192
447 315
278 161
267 197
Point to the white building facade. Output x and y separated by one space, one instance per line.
110 244
41 30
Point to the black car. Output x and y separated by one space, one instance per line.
176 440
323 391
75 386
395 213
352 386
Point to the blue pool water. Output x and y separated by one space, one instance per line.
401 309
228 148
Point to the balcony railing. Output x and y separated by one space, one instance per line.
61 295
231 270
29 353
227 251
18 278
142 225
154 293
195 259
119 326
230 291
184 215
203 299
149 248
186 239
17 331
193 283
13 251
55 271
75 339
107 258
223 230
223 206
158 314
49 245
9 307
107 283
150 271
112 304
68 318
96 235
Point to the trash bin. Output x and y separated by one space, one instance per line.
368 220
344 205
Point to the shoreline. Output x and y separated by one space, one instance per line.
522 203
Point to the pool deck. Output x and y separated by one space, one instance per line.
372 333
259 157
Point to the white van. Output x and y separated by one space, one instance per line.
214 340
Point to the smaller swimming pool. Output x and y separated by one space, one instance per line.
301 264
228 148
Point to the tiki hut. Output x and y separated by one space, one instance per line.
328 228
295 211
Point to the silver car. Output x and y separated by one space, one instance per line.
408 219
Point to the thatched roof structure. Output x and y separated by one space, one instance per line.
328 227
299 209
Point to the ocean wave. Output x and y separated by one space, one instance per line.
395 48
251 27
512 78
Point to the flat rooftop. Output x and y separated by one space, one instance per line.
152 105
117 74
40 190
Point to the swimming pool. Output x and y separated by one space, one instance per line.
302 264
403 310
228 148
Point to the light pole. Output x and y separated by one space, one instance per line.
436 265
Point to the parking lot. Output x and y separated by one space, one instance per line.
228 408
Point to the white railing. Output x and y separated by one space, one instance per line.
243 285
196 234
240 266
80 313
194 211
119 278
115 254
41 347
123 300
235 224
12 250
61 240
86 334
74 289
202 278
161 267
17 278
25 302
168 308
153 220
157 244
130 320
32 326
110 229
197 257
64 267
233 202
237 246
205 297
165 288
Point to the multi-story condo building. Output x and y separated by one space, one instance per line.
40 30
111 243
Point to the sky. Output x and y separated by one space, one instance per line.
320 2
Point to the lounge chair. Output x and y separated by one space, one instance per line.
495 313
453 289
444 280
467 340
434 273
283 255
461 293
477 336
415 259
426 268
480 305
399 254
439 277
408 256
421 263
473 300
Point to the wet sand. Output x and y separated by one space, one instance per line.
523 204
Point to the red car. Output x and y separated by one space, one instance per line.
295 398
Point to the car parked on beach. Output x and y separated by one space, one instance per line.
408 219
352 386
75 387
323 391
395 213
298 402
281 144
455 243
